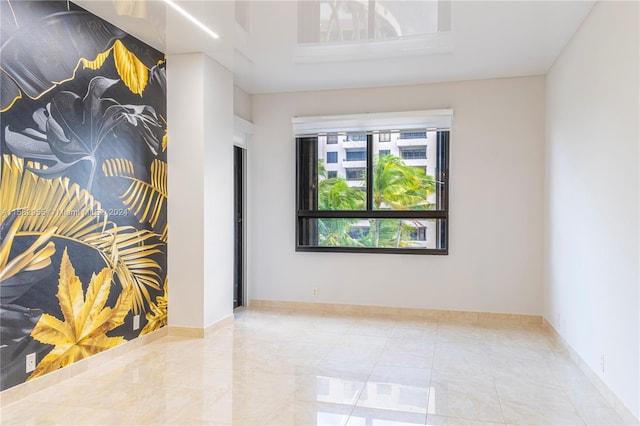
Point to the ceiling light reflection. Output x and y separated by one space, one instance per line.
192 18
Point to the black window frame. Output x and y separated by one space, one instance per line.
307 183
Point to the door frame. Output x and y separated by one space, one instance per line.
242 129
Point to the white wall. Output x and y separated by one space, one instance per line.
241 103
185 258
218 192
592 255
200 180
496 203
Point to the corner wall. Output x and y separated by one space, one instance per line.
200 99
496 203
592 251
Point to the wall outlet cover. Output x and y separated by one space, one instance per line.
30 362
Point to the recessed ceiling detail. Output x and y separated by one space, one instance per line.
280 46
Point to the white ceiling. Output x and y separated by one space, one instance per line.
487 40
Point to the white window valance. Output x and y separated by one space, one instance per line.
404 120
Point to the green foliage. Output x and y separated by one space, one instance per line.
336 194
396 186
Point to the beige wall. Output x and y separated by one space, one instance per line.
591 294
496 203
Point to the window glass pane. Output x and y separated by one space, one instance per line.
413 135
414 153
357 137
376 233
357 155
409 176
342 173
400 178
384 137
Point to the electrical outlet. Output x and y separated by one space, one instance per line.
136 322
30 362
602 363
314 292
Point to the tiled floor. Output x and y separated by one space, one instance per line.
293 369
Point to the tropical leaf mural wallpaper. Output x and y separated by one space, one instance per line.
83 187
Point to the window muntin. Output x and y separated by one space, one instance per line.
332 139
384 137
354 234
339 212
332 157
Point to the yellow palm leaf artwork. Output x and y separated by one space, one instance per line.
73 214
157 317
36 257
86 319
132 71
146 200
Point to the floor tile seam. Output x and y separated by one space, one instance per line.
355 403
495 389
564 391
467 418
520 401
7 408
430 389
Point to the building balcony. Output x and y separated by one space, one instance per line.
354 164
354 144
417 162
411 142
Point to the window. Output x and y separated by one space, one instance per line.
414 153
355 174
332 174
332 157
413 135
384 137
386 201
419 233
357 155
332 139
357 232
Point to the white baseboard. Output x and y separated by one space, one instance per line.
392 312
593 377
195 332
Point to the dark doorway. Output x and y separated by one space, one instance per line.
238 252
